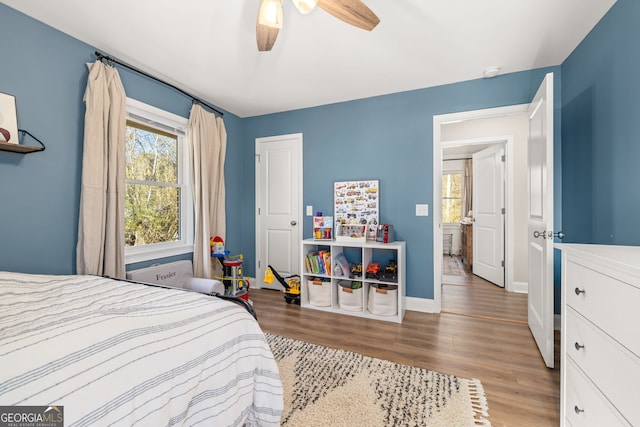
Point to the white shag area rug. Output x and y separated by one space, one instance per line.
331 387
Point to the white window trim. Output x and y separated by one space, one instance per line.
153 116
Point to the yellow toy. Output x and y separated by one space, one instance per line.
291 284
228 269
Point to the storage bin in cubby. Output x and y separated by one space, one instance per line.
349 299
319 292
383 299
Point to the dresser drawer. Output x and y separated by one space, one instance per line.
584 405
613 369
610 304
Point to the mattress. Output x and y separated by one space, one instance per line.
117 353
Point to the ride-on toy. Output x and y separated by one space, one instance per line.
291 284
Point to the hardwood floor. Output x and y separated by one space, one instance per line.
465 293
520 390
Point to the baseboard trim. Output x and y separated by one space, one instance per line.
521 287
423 305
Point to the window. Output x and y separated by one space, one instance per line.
158 206
451 197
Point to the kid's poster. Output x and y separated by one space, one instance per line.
357 203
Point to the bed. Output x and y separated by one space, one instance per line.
117 353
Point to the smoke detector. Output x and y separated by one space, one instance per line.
491 72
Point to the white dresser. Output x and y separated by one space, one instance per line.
600 336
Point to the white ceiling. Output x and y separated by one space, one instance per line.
462 151
208 47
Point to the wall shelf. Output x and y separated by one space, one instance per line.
21 148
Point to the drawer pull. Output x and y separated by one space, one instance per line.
579 291
578 346
578 410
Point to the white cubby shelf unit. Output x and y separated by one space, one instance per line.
362 253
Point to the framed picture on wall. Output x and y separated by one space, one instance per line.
8 119
356 209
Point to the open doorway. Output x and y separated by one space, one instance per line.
526 246
474 231
473 208
468 132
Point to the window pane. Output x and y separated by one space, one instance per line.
451 197
451 209
151 156
452 185
152 214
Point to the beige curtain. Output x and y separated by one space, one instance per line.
208 145
100 248
467 187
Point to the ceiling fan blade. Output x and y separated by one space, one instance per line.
353 12
266 37
268 24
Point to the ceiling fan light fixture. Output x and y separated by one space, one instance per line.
305 6
270 13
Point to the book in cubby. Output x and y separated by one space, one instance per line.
318 262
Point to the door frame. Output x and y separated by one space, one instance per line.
298 138
438 121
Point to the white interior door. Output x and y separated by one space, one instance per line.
488 213
540 219
278 196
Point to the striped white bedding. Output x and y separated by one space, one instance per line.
117 353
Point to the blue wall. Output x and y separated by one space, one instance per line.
601 142
39 193
389 138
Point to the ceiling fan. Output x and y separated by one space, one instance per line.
269 22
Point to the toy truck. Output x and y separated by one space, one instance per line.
373 270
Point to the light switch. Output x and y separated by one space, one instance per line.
309 210
422 210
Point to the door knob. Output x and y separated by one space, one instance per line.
542 234
548 234
293 223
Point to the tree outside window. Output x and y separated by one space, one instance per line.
451 197
152 206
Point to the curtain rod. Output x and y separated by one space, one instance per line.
103 57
